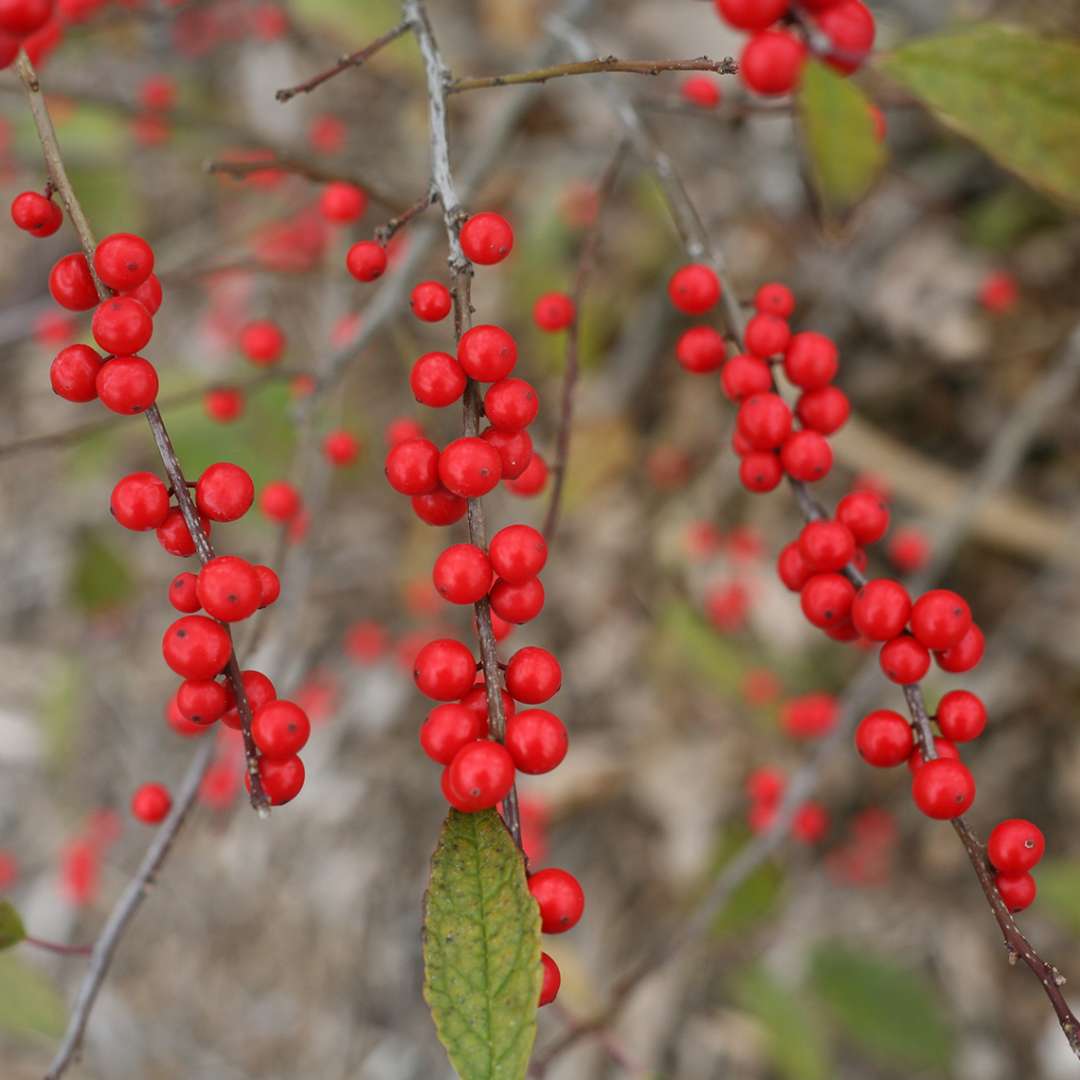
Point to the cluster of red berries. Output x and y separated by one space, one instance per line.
765 789
781 32
33 25
478 770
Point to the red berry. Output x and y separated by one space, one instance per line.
511 404
940 619
21 18
533 675
826 545
560 898
880 611
71 285
157 93
791 567
487 238
909 549
342 202
258 690
811 360
175 537
439 507
412 467
904 660
943 789
341 448
761 471
518 553
532 479
751 14
700 90
536 739
182 594
196 647
127 384
515 450
809 716
771 62
477 700
884 739
998 292
269 585
865 514
462 574
223 404
961 716
202 701
149 294
430 301
470 467
140 501
35 214
553 311
262 342
744 376
228 588
701 349
280 729
694 289
517 603
766 785
775 299
366 260
806 456
825 410
437 379
849 26
281 779
767 335
826 599
448 728
280 501
964 655
444 669
549 987
480 775
944 748
121 325
1017 890
764 420
1015 846
151 803
811 823
487 353
123 261
180 723
224 492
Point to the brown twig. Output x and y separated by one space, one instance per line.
388 230
352 60
600 65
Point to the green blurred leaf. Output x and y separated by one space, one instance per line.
56 708
755 899
844 152
796 1044
12 930
29 1002
1006 215
1059 890
687 641
1011 91
893 1013
482 970
100 579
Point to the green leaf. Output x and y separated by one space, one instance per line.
12 930
1013 92
482 969
29 1002
844 152
1059 890
100 578
755 899
796 1044
893 1013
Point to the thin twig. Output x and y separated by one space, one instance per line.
386 232
600 65
58 947
352 60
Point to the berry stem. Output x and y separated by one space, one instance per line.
57 947
54 163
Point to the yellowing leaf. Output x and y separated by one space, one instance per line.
29 1002
1013 92
482 969
12 930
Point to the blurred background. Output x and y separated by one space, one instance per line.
863 948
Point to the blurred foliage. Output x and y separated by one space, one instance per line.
1006 215
12 930
100 579
755 899
29 1003
56 708
1059 890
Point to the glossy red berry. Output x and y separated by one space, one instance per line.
744 376
515 450
341 448
202 701
151 803
909 549
196 647
140 501
223 404
430 301
228 588
884 739
771 62
537 740
700 90
511 404
366 260
1015 846
1017 890
127 384
174 536
342 202
121 325
470 467
477 700
904 660
811 360
448 728
940 619
766 335
262 342
944 748
553 311
865 514
826 545
764 420
34 213
809 716
517 603
881 608
806 456
487 238
437 380
444 669
775 299
826 599
532 479
282 779
701 349
71 285
943 789
552 980
487 353
965 654
533 675
439 507
518 553
825 410
560 898
123 261
761 471
751 14
280 501
269 585
791 567
182 594
694 289
412 467
462 574
280 729
258 689
149 294
849 26
224 492
480 775
961 715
